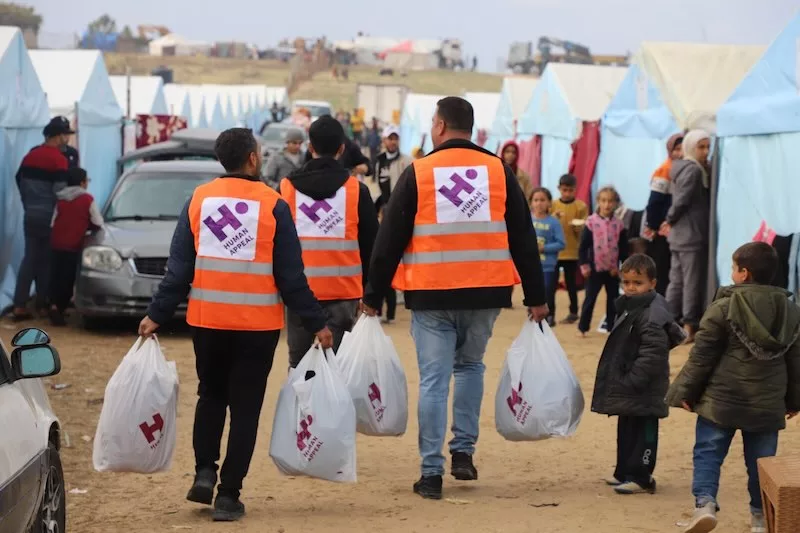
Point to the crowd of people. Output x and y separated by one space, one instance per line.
330 234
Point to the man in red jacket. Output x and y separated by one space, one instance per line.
75 213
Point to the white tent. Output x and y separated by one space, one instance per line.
23 114
229 106
199 106
78 80
178 101
146 95
173 44
514 97
484 106
415 122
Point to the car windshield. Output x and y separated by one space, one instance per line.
319 110
153 196
275 133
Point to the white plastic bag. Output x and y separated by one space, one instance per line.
137 427
314 430
375 378
539 395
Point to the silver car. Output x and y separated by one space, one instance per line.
123 263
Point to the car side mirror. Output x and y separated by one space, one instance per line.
35 361
30 337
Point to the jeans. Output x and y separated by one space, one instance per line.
341 318
35 267
450 343
594 283
711 446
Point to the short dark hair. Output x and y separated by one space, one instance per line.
760 259
76 176
326 135
543 190
457 113
234 146
641 264
637 245
568 180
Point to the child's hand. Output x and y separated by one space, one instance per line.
791 414
686 406
586 270
558 214
664 230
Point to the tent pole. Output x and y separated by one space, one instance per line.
713 280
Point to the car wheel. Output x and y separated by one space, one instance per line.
52 517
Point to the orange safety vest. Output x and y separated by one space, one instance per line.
234 235
460 239
328 231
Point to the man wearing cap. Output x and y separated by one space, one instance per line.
41 175
283 163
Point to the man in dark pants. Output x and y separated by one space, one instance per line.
41 175
236 246
337 225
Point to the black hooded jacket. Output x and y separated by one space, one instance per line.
320 179
350 159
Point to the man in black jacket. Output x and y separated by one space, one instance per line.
325 241
235 332
459 246
352 159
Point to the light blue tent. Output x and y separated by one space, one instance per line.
514 97
23 115
199 106
178 101
223 117
146 95
78 79
566 96
759 130
670 87
415 122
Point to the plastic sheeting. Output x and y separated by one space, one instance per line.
484 105
628 163
178 102
584 159
146 95
415 122
71 77
556 155
23 114
514 97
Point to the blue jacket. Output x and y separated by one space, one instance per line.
549 232
287 267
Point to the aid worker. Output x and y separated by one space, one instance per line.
337 224
460 223
236 244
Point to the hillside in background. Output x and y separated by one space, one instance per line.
340 93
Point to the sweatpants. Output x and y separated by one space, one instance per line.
570 268
341 318
687 277
594 284
63 269
658 250
35 267
232 367
637 448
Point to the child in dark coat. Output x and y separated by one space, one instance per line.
633 374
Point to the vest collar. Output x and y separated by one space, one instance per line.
247 177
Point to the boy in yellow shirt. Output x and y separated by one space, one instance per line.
572 214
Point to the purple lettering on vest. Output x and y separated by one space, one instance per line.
312 210
459 186
217 227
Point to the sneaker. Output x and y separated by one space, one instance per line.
703 520
429 487
202 490
631 487
612 481
571 319
227 509
757 523
462 467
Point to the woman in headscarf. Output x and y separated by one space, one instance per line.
657 206
510 153
686 228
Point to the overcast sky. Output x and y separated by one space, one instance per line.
606 26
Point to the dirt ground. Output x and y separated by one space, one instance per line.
549 486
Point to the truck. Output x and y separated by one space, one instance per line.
384 102
522 59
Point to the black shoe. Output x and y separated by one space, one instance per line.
57 318
462 467
202 490
551 321
429 487
571 319
227 509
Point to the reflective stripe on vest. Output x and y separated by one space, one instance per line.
234 232
328 232
460 237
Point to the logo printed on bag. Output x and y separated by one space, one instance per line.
149 430
518 406
374 394
307 443
464 193
229 228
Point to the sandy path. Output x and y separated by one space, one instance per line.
515 478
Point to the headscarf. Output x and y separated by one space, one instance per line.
672 142
516 161
690 142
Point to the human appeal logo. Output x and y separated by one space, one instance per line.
307 443
463 194
517 404
241 235
312 210
149 430
374 394
326 222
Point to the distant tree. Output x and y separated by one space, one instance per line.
103 24
25 17
127 33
